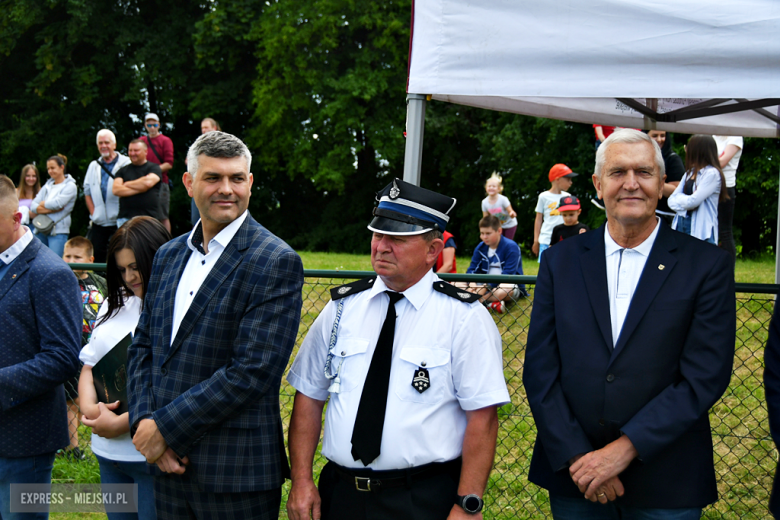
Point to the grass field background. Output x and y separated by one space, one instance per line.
744 453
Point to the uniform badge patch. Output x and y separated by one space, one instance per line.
464 295
344 290
422 380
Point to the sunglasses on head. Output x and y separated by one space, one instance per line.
152 125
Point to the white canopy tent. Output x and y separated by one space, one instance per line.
693 66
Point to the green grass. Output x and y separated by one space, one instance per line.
744 453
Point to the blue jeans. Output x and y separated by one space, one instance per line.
56 243
565 508
684 226
542 248
23 470
117 472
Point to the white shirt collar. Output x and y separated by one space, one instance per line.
416 294
644 248
10 254
223 238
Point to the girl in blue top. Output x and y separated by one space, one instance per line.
695 200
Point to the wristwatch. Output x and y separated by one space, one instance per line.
472 504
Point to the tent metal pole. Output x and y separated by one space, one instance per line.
777 241
415 128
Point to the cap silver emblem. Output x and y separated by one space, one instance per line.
394 191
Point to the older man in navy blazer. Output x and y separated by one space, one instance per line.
631 342
219 322
40 320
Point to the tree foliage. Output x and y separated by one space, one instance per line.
317 90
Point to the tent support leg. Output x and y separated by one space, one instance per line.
777 242
415 128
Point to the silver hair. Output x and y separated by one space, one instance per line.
217 144
107 132
628 136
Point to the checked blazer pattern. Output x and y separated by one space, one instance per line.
214 390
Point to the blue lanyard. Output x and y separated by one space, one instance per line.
335 386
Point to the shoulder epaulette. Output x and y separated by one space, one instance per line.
351 288
454 292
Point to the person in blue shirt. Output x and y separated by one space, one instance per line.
497 255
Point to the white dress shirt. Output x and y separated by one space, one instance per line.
199 266
624 268
10 254
457 342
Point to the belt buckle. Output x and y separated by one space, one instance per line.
363 480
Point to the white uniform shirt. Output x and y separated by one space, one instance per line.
623 273
198 268
460 346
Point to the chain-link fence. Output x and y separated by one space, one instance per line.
745 456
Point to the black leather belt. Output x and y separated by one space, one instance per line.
367 480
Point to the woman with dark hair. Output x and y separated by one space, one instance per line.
56 199
696 198
128 270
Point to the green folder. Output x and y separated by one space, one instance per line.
110 375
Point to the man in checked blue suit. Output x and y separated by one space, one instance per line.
218 326
40 323
631 342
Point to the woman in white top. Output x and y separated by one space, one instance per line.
696 198
128 269
56 200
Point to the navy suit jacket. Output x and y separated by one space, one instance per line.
214 390
40 323
670 364
772 389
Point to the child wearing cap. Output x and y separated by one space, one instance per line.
547 216
569 209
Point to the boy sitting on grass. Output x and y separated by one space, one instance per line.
569 209
496 254
78 250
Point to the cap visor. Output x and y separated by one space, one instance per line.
388 226
569 208
570 175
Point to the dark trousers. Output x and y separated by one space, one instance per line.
725 221
428 498
99 236
178 498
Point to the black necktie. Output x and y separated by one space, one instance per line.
370 419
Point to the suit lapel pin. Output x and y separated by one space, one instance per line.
661 267
13 276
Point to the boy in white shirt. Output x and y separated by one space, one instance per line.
547 215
